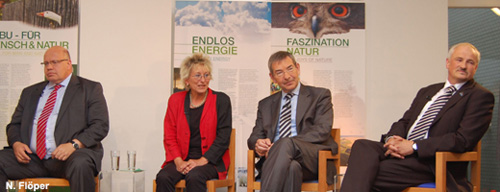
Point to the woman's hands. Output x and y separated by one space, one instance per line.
185 167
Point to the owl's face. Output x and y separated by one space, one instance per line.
318 19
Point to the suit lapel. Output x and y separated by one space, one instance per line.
275 111
454 99
426 97
302 104
73 87
35 98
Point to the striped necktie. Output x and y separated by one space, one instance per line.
41 149
285 127
425 122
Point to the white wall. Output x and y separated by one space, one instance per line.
126 45
407 44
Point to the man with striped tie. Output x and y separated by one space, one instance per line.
450 116
291 127
57 127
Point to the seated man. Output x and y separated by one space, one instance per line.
450 116
57 127
291 127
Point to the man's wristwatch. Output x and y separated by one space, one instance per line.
75 145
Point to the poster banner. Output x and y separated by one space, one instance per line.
327 39
27 29
329 44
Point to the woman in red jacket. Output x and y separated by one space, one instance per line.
197 130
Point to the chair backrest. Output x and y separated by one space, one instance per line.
336 137
232 146
475 173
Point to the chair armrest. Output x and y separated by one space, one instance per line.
323 157
443 157
324 154
450 156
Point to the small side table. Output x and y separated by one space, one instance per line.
123 181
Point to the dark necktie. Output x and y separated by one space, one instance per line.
425 122
285 127
41 149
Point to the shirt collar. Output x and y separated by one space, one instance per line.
294 91
63 83
457 85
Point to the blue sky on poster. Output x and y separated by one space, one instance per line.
225 16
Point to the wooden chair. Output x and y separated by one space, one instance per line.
320 185
441 159
53 182
215 183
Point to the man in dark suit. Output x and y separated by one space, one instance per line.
290 130
405 157
57 127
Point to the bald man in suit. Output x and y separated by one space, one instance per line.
74 128
290 157
406 155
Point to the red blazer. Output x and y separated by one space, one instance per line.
177 132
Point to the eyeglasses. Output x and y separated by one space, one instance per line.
199 76
281 73
53 62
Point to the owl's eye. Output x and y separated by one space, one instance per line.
298 11
339 10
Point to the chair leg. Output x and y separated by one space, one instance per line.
154 185
97 184
210 187
230 188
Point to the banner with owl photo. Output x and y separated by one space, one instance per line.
327 39
27 29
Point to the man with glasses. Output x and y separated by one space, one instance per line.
291 127
57 127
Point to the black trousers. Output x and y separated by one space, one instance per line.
195 180
370 170
79 169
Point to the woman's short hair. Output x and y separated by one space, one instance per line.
189 62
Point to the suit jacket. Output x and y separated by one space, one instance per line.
314 118
458 127
83 115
